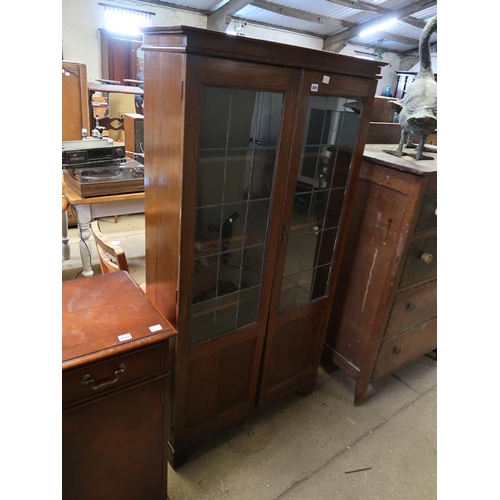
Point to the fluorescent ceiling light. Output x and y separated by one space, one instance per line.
379 27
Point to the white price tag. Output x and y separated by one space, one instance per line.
155 328
314 87
125 336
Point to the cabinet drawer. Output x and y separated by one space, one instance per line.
427 218
402 349
421 261
413 307
94 379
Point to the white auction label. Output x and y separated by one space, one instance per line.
125 336
155 328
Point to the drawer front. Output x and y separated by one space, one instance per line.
413 307
405 348
101 377
427 218
421 261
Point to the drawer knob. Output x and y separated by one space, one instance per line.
396 349
88 380
411 306
426 258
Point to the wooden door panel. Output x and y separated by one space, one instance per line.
293 348
94 456
218 382
119 56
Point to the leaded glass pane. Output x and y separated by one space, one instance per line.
239 132
329 139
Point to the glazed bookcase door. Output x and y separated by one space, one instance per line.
325 146
234 184
234 178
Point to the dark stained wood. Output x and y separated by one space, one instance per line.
293 348
385 289
225 378
116 394
384 133
189 39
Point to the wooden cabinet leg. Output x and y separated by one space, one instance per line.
360 393
306 388
180 456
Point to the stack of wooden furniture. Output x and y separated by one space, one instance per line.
250 164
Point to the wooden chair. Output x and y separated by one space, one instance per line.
112 256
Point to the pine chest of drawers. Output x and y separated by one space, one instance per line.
385 312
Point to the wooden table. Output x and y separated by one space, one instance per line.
88 209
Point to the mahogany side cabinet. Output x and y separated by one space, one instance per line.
251 150
386 313
115 391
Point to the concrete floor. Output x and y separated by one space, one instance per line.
314 447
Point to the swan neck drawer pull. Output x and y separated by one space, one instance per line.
88 380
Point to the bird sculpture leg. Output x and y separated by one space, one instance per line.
409 143
399 151
419 155
420 149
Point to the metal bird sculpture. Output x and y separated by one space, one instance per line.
418 108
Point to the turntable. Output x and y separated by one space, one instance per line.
106 179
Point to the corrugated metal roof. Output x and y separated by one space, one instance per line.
299 16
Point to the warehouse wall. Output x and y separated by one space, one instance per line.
82 19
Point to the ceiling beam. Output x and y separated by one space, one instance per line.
359 5
354 4
300 14
397 38
342 37
219 19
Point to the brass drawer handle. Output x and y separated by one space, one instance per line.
396 349
426 258
88 380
